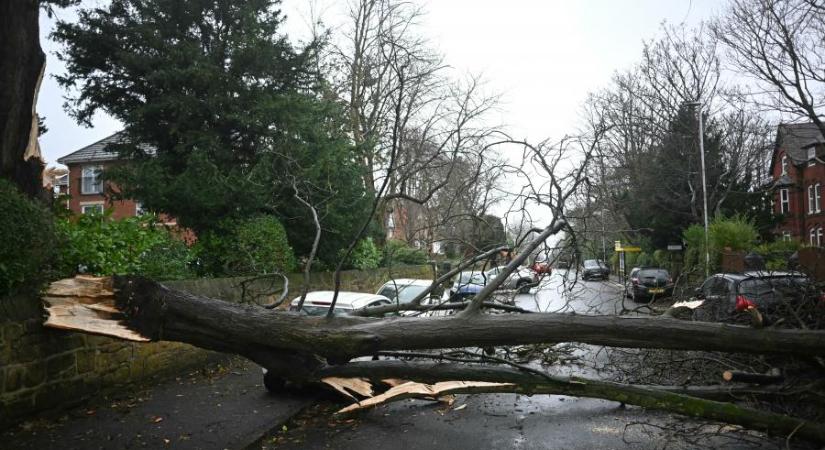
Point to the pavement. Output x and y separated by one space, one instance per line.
224 406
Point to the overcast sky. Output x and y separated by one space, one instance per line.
542 56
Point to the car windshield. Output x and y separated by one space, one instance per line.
653 273
405 293
773 288
591 263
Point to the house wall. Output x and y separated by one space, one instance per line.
799 222
120 208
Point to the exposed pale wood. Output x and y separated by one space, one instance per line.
87 304
359 386
412 389
82 286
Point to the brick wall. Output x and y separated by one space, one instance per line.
43 369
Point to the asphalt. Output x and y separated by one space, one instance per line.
224 406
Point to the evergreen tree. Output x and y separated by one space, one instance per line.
222 114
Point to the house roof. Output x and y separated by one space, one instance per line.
96 152
795 138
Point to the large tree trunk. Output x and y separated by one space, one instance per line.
305 348
21 68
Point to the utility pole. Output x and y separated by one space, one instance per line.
698 105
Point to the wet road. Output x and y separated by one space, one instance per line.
508 420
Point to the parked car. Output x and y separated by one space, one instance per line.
647 283
725 296
466 284
317 302
521 279
404 290
594 268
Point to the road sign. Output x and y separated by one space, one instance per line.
627 249
674 248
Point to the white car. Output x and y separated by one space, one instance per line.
317 302
404 290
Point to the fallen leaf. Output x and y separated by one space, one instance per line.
157 419
460 407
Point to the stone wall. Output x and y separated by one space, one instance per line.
43 369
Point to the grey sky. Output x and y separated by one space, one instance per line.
542 56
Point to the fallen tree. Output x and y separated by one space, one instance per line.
307 349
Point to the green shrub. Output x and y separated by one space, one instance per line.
100 245
735 233
27 241
252 246
776 253
398 252
366 255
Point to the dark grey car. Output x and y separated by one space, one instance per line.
594 269
726 295
647 283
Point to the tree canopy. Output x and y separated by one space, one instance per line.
223 116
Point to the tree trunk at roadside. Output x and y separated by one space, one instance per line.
308 349
22 62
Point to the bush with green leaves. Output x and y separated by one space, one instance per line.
27 241
100 245
398 252
734 233
257 245
366 255
776 253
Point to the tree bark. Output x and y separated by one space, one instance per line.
22 62
295 346
156 312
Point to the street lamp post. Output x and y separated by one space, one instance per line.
698 105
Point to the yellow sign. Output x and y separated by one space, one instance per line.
628 249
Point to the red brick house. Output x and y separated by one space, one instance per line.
798 173
87 191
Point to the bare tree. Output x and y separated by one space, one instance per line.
780 44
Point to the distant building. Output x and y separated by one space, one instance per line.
798 176
88 192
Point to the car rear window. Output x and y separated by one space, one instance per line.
653 273
775 288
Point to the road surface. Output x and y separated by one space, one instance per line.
512 421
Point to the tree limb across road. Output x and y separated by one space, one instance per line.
306 349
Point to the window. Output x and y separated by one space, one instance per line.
786 236
811 199
91 183
817 207
812 156
819 237
92 208
784 201
139 211
784 165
